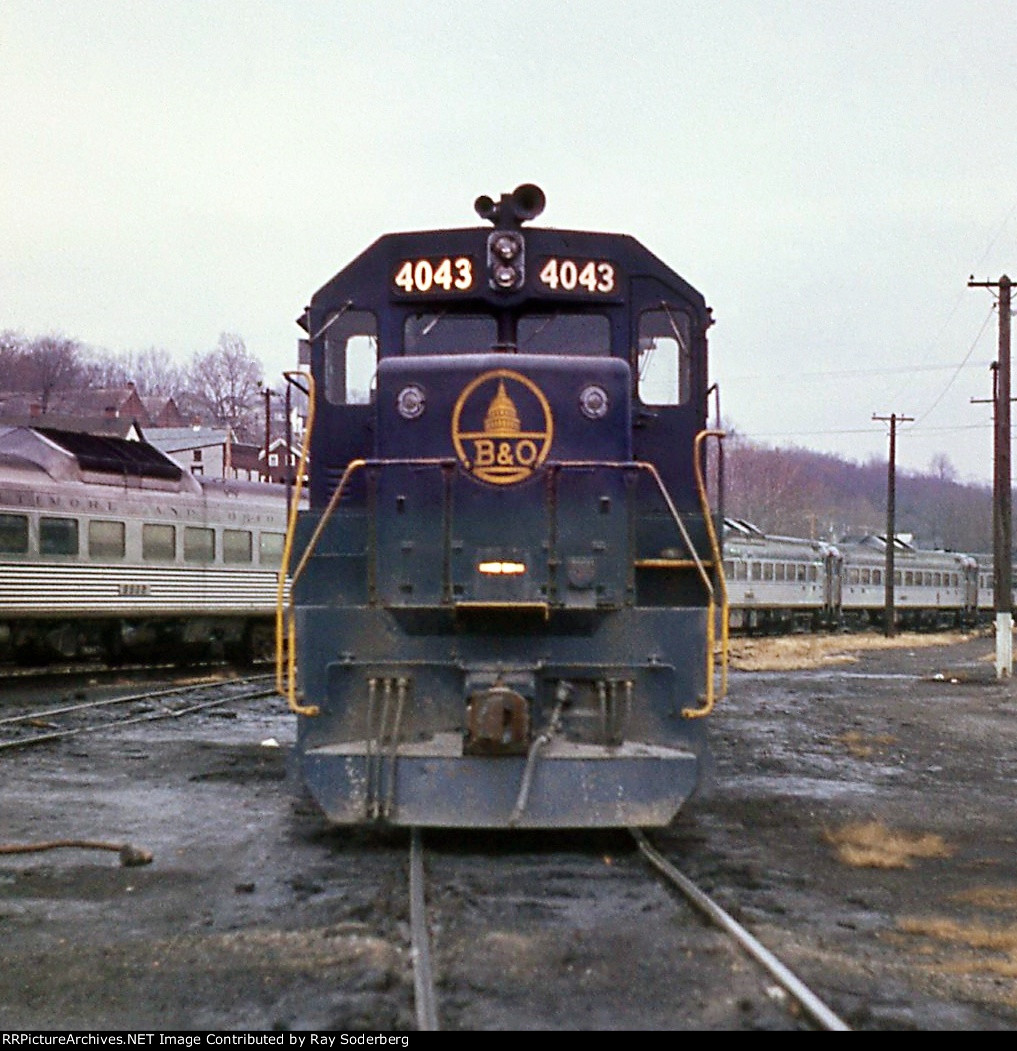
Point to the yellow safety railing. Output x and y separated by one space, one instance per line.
286 640
718 562
285 659
289 691
695 562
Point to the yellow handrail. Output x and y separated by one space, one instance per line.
291 629
286 649
709 701
704 502
281 655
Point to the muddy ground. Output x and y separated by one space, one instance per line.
857 816
868 797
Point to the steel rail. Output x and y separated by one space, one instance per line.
176 713
420 941
43 713
808 1000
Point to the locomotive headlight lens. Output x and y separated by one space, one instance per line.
505 276
505 246
593 402
410 402
506 260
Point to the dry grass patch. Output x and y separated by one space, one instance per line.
967 949
797 652
871 844
999 898
862 747
1000 943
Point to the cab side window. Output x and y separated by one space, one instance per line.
351 357
662 359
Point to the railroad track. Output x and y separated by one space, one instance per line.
98 671
800 1001
43 724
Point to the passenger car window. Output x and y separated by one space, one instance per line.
270 549
236 545
199 544
106 539
158 543
58 536
14 534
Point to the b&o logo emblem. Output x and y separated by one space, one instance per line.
502 427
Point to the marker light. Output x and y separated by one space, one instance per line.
410 402
593 402
502 568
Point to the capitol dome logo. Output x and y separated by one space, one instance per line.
502 427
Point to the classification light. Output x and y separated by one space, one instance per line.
593 402
410 402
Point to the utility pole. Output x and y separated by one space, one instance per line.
889 611
1002 502
268 393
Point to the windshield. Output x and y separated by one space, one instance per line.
447 333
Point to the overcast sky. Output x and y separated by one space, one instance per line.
828 174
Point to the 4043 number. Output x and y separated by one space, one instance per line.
426 275
578 275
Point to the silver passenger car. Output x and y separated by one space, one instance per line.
108 547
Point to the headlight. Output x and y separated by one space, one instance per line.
505 246
497 569
506 260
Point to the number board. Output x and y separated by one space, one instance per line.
434 275
584 277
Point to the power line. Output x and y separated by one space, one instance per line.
971 350
841 373
907 432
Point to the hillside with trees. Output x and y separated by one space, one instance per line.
796 492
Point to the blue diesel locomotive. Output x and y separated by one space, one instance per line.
505 589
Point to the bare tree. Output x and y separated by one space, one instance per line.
55 364
225 383
13 353
155 372
940 467
103 369
152 371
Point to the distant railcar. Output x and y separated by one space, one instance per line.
110 549
780 583
932 589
